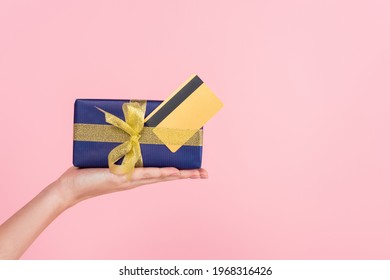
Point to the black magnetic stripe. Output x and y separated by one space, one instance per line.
175 101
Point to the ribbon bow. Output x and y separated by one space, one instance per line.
129 150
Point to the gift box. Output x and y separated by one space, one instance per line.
124 134
94 138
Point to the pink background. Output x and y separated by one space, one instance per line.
299 158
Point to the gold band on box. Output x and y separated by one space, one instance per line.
131 133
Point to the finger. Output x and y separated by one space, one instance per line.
203 173
154 180
152 173
190 173
181 174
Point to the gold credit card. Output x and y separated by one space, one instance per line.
183 113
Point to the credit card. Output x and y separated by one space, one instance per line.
183 113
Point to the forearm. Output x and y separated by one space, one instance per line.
20 230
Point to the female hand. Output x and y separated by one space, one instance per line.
75 185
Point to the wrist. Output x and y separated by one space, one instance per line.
62 194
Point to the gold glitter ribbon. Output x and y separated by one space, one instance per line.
129 150
111 134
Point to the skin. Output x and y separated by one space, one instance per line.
74 186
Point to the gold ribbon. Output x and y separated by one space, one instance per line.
129 150
111 134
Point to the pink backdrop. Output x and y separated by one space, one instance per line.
299 158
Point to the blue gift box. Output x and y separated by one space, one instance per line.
94 153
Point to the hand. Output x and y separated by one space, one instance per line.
76 184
